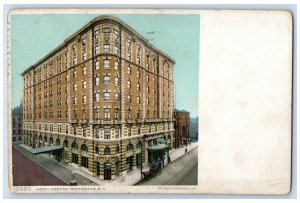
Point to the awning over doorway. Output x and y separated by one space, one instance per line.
157 147
41 150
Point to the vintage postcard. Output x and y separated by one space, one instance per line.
149 101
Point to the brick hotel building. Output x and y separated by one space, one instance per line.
104 98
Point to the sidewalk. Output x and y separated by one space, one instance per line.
176 153
131 178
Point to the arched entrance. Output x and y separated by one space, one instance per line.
84 156
65 150
129 157
107 171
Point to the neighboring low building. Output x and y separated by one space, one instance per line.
194 129
182 126
17 126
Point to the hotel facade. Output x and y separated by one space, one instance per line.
103 98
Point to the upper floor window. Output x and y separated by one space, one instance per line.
106 63
106 96
106 31
106 80
97 34
106 47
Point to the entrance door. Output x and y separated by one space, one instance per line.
107 172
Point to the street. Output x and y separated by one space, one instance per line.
183 171
41 170
26 172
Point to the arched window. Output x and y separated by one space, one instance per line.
84 148
51 140
117 150
74 153
45 138
84 156
129 147
139 145
96 150
107 151
57 142
65 144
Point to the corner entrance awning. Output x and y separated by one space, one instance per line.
41 150
157 147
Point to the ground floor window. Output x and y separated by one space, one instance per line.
74 158
85 162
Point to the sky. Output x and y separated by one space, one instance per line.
34 36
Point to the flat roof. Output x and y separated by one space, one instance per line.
41 150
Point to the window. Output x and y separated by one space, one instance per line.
106 113
129 70
67 129
129 98
74 73
117 149
74 100
129 147
129 113
106 63
96 150
116 81
97 113
128 42
106 48
97 81
84 132
138 88
116 65
74 87
97 49
97 132
116 96
85 161
129 84
116 113
148 90
96 34
84 84
74 62
84 70
128 55
106 133
106 96
138 100
138 74
106 31
74 153
83 99
107 151
116 34
116 49
138 60
106 80
74 49
154 102
148 102
147 77
84 56
147 66
97 96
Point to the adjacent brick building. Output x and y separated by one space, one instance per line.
17 123
182 127
105 95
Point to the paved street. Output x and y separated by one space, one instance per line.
50 166
183 171
26 172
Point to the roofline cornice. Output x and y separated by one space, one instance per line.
93 22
